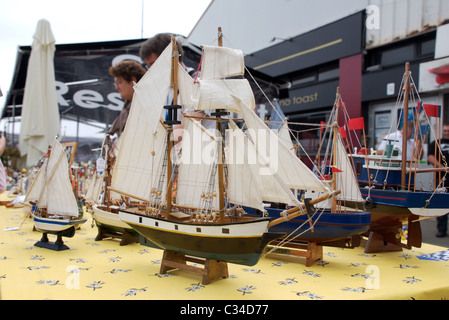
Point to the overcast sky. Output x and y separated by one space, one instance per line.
89 21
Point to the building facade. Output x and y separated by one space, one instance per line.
359 46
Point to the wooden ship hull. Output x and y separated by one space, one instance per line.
56 226
110 226
406 202
237 242
394 186
328 226
108 219
392 199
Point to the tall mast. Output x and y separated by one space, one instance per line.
334 159
405 124
334 150
218 114
172 119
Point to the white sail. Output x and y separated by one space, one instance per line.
245 164
294 173
212 91
188 91
52 188
284 135
139 168
346 180
95 188
242 183
151 92
60 197
35 189
140 163
218 94
221 62
197 184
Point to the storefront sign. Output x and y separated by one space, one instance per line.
312 97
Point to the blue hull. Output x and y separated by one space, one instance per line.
406 202
329 227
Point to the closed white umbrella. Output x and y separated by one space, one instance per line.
40 113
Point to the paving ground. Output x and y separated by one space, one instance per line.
429 230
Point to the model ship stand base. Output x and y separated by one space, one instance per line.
312 251
125 237
213 270
309 250
58 245
388 238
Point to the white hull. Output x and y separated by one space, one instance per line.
429 212
107 218
55 225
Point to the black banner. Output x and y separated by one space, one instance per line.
84 87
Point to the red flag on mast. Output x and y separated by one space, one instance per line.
322 125
432 110
343 132
335 169
356 124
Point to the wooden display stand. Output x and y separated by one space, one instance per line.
125 237
310 250
388 238
58 245
379 242
213 269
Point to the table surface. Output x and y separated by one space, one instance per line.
105 270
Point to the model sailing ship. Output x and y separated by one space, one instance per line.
54 205
340 220
389 182
194 198
102 207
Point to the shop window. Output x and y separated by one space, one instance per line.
329 74
307 79
398 55
382 122
427 48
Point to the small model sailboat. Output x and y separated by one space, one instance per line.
102 207
54 205
340 220
195 199
389 183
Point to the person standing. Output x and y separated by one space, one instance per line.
443 150
153 47
150 50
396 139
125 74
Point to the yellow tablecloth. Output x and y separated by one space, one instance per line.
105 270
